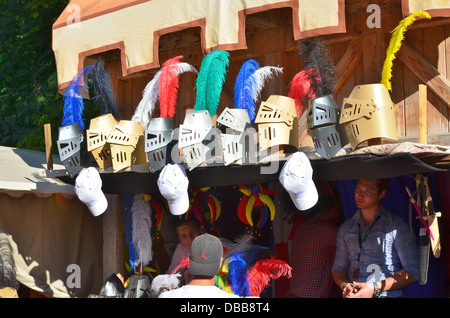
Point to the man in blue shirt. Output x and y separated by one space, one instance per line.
376 255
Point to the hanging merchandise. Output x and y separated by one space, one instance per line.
429 238
368 113
296 177
137 220
395 44
159 131
234 123
206 207
173 185
102 126
277 123
127 145
210 81
256 198
249 84
315 84
71 141
197 138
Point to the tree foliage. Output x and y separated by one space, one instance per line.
29 96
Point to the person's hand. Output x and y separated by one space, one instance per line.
362 290
347 290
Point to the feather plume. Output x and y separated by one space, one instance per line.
127 218
210 80
264 74
237 273
142 224
316 55
304 86
263 271
165 282
184 264
101 82
144 110
169 84
243 242
395 44
7 263
249 84
73 99
244 87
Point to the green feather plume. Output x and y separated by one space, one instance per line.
210 80
395 44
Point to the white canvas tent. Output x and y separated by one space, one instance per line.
58 244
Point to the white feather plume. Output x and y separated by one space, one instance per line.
184 67
144 110
263 74
165 282
142 224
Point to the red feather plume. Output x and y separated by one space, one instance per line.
304 85
263 271
169 84
184 264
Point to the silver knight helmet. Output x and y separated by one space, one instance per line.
323 123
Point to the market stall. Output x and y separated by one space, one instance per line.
269 33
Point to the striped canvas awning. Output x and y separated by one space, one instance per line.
88 27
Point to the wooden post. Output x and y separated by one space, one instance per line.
48 146
422 114
112 238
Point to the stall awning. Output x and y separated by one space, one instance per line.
23 171
436 8
88 27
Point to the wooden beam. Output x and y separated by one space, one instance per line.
112 238
48 146
423 103
347 63
425 71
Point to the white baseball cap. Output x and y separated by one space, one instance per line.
88 187
296 178
173 185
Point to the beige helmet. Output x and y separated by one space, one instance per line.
97 135
127 145
368 113
277 122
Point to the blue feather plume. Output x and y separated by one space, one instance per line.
238 274
245 88
127 217
73 100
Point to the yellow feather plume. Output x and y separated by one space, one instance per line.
395 44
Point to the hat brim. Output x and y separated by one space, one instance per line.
180 205
99 206
307 199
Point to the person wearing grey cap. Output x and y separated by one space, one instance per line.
204 264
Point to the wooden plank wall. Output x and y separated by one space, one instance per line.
358 55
